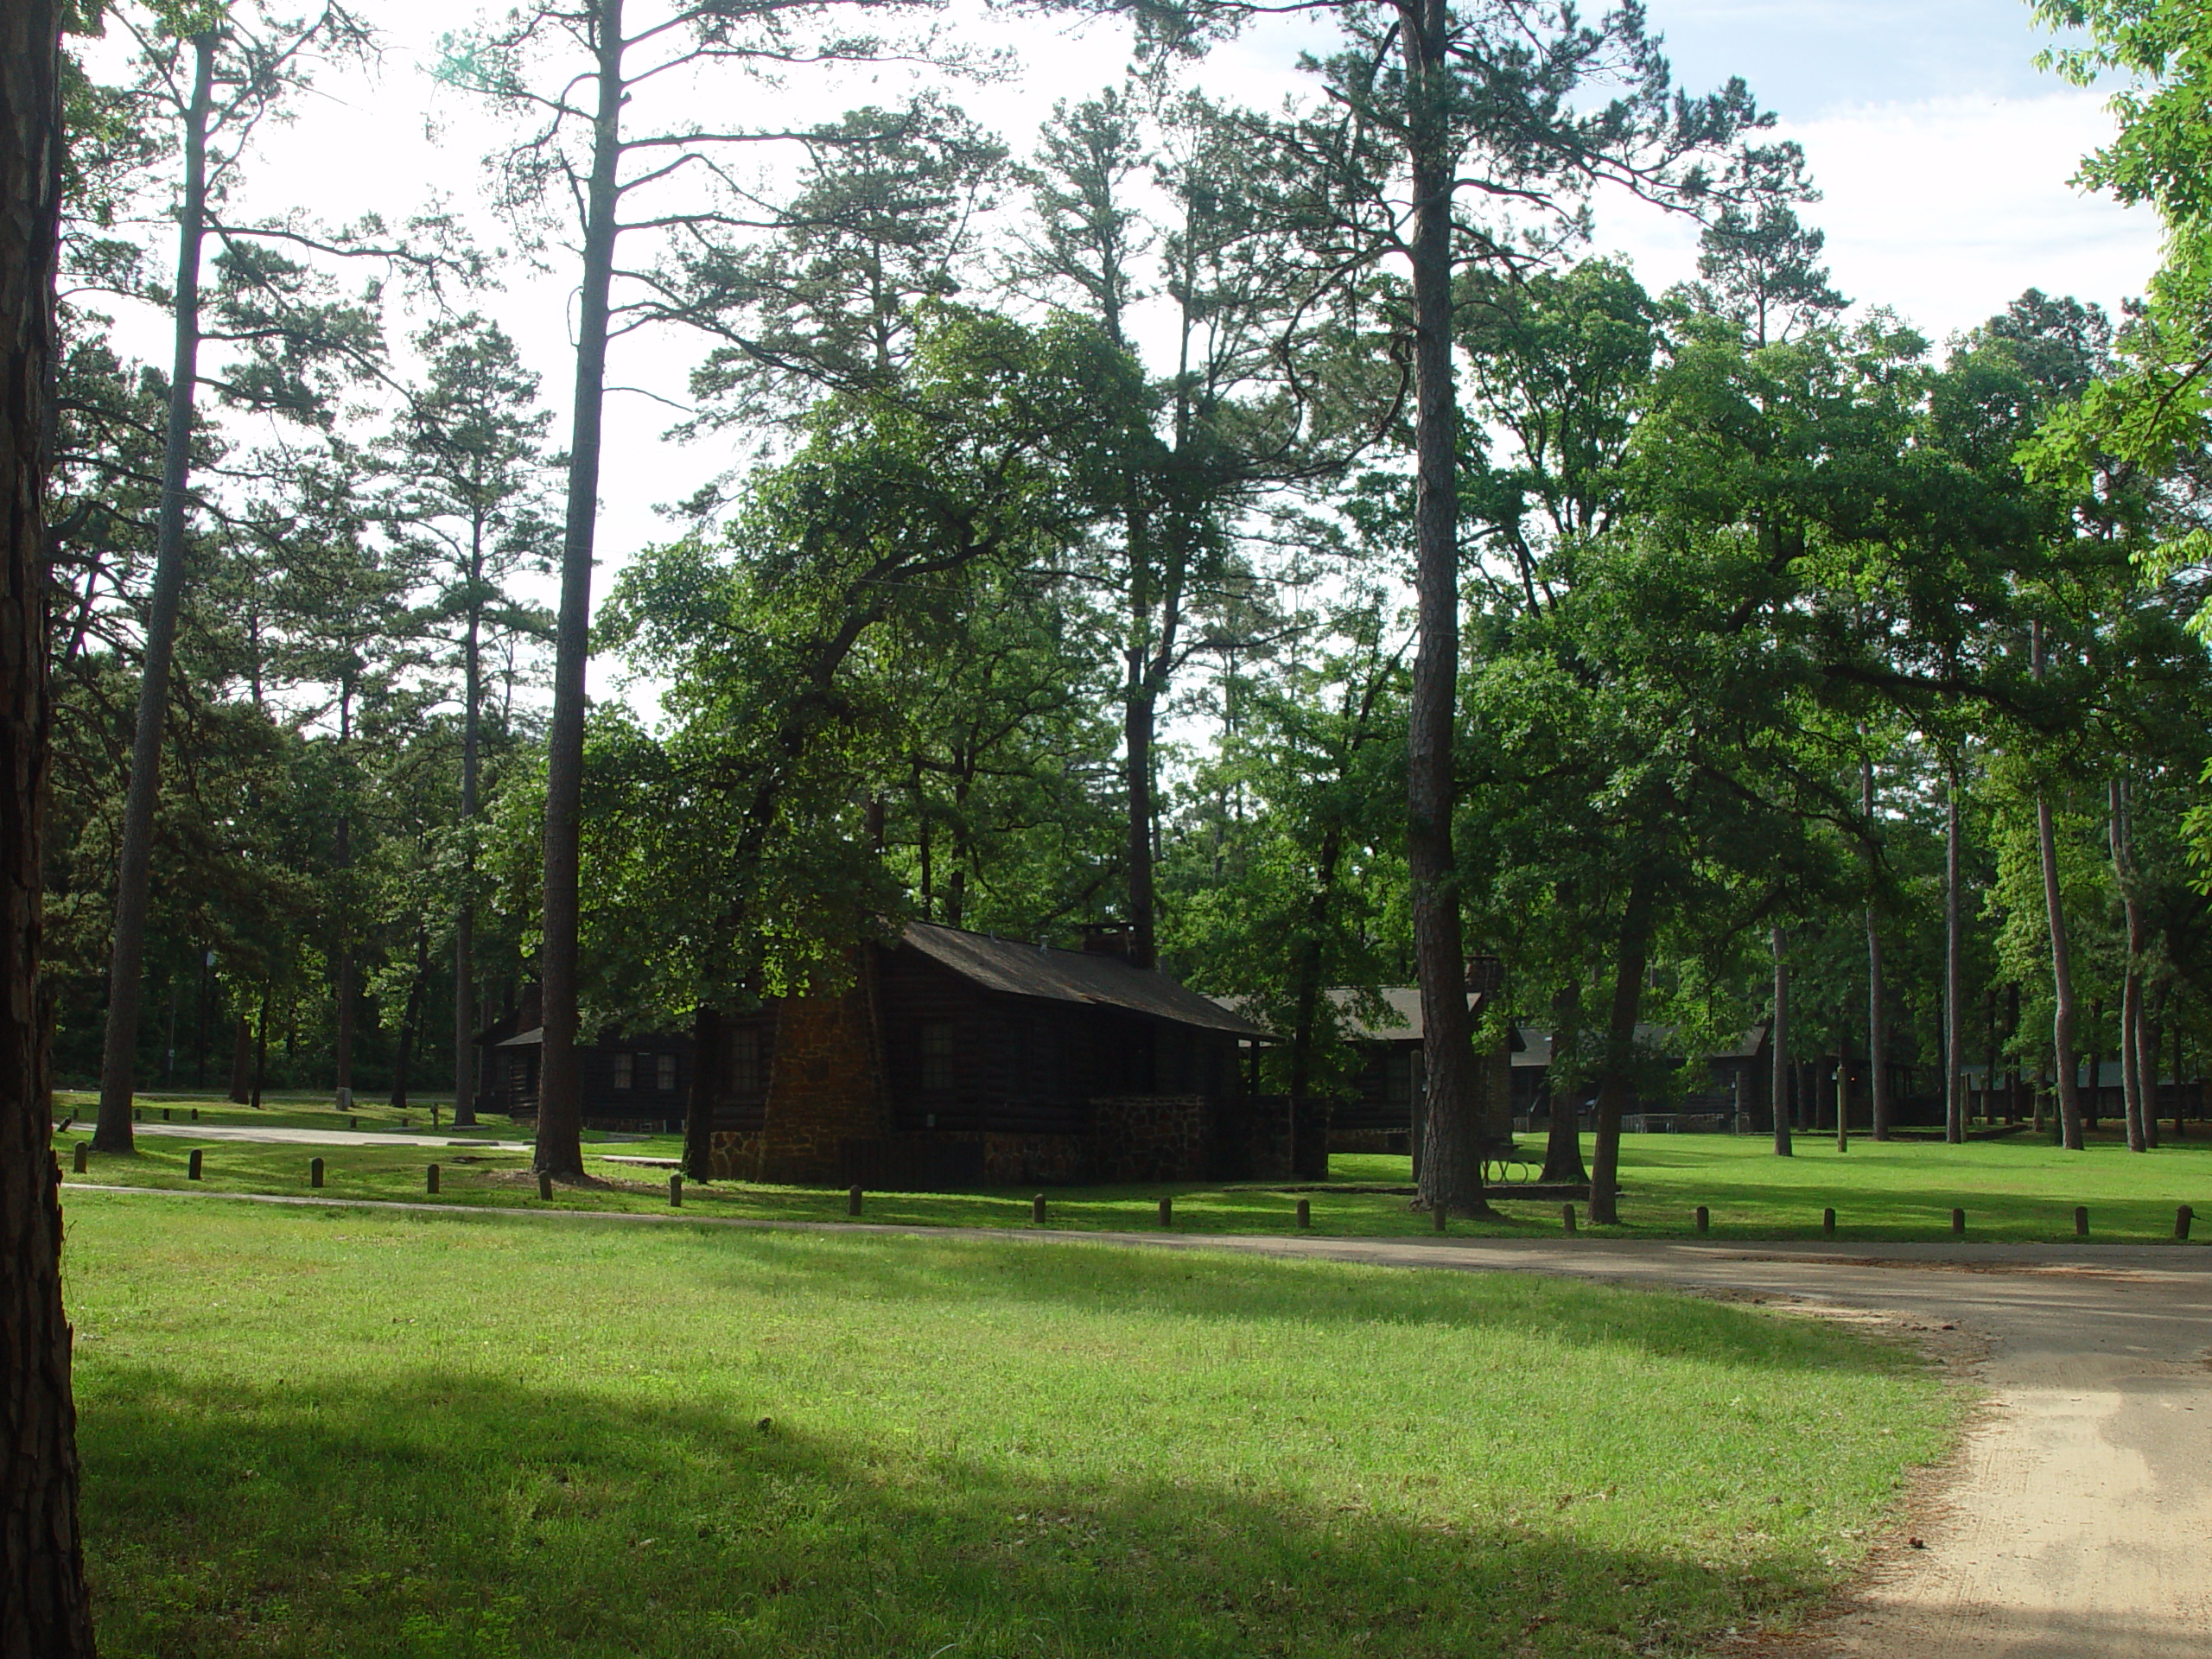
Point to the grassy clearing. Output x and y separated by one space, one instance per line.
2015 1190
339 1433
305 1111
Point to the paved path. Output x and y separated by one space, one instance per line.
2077 1521
272 1135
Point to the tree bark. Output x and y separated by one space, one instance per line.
2130 985
1877 1026
1563 1145
134 875
699 1107
464 921
261 1047
45 1612
2062 971
241 1059
1451 1171
1955 1069
1620 1053
1781 1040
1137 720
560 1120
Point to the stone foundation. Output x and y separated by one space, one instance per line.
733 1157
1152 1138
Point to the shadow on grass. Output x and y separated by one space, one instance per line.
448 1514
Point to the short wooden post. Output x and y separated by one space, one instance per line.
1958 1223
2183 1216
85 1148
1306 1212
192 1165
1566 1217
165 1113
1168 1212
676 1190
1828 1223
315 1172
1037 1211
138 1114
1704 1220
2080 1221
433 1186
544 1185
195 1114
853 1202
353 1122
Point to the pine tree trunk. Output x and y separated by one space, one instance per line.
1782 1147
134 875
1450 1170
2130 991
2062 971
1563 1145
699 1108
1620 1054
241 1059
45 1612
1955 1069
1877 1026
1137 721
261 1048
464 921
560 1108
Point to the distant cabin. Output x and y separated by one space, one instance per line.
954 1060
1389 1094
635 1082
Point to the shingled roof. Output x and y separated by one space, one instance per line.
1057 975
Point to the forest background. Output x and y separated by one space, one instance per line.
1032 543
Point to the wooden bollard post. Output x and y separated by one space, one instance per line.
85 1150
1168 1212
676 1190
1704 1220
2183 1216
853 1202
433 1187
138 1114
2080 1221
1037 1211
1958 1223
1566 1217
1828 1223
192 1165
315 1172
544 1185
165 1113
1306 1212
195 1114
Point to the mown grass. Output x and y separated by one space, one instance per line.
2014 1190
339 1433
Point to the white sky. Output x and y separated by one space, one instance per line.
1942 152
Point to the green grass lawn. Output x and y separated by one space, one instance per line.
303 1111
2015 1190
337 1433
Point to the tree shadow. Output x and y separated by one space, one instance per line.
453 1514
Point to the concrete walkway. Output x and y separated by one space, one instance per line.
2077 1522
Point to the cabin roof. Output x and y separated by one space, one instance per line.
1057 976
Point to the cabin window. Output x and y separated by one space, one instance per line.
936 1054
745 1063
664 1072
622 1070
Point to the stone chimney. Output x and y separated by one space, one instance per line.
1115 939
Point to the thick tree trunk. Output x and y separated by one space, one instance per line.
44 1611
134 875
1452 1170
1954 1068
1782 1147
699 1106
260 1048
2062 971
560 1120
1620 1054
